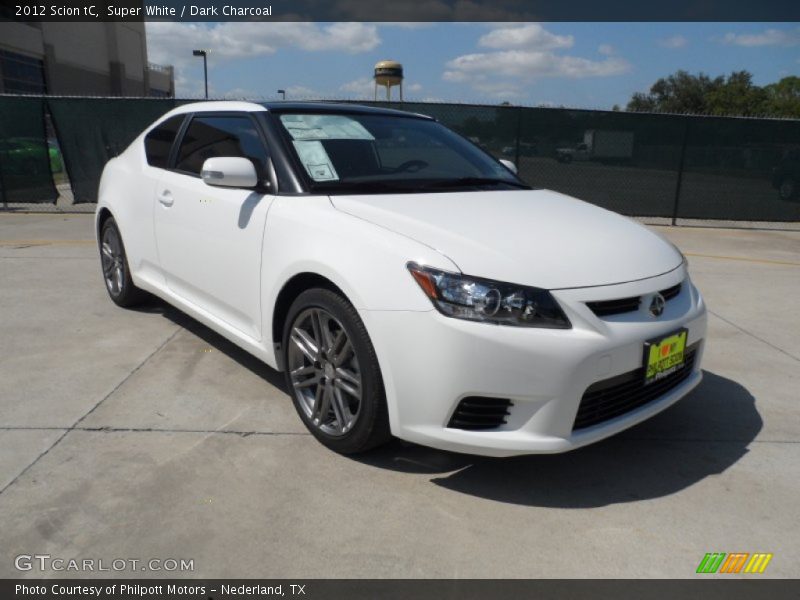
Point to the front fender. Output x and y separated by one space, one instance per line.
306 234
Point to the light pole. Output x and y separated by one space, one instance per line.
204 54
282 93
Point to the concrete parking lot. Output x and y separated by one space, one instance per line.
142 434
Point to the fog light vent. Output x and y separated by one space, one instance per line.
477 412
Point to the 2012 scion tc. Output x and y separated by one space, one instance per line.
405 281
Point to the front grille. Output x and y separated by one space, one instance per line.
671 292
618 306
614 397
477 412
604 308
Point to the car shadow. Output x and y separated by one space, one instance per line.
702 435
212 338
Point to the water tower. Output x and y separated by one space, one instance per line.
388 73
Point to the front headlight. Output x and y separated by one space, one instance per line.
478 299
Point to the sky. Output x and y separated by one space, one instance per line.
581 65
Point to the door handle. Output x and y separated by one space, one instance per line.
166 198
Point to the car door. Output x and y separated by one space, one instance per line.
210 238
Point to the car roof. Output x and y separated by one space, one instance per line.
338 107
322 107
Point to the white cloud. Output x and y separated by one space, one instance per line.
499 90
674 41
528 65
531 36
769 37
522 55
359 88
172 43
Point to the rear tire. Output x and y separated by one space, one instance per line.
332 373
114 262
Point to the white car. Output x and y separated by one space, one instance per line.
408 283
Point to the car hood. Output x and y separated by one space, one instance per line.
531 237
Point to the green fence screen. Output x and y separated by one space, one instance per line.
93 130
25 152
636 164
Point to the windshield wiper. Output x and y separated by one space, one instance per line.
472 181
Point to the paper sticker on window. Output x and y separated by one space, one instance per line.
316 161
324 127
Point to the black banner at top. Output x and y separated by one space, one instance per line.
400 10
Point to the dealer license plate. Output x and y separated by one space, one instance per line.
664 356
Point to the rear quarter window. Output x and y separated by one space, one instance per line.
158 142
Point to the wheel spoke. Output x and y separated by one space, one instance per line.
316 326
327 335
347 350
353 390
353 378
337 343
340 410
316 379
118 278
300 377
322 405
107 251
306 345
306 370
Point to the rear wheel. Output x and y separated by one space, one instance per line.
333 374
116 274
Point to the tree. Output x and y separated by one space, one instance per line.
737 96
783 98
734 95
678 93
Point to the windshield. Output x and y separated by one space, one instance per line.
345 153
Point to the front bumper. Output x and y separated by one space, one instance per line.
431 362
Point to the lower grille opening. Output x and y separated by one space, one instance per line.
611 398
478 412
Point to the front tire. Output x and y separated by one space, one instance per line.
116 273
332 373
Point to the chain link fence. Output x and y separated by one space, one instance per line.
672 167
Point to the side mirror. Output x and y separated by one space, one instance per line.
229 171
509 165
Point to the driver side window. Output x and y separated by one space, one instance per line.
210 137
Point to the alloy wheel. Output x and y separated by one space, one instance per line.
324 372
113 261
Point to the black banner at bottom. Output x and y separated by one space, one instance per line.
405 589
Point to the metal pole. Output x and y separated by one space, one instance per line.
519 134
205 71
681 164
